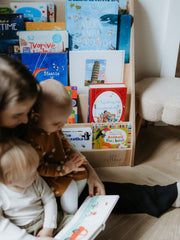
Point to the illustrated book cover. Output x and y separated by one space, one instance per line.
107 102
90 218
43 41
29 26
5 10
81 138
124 35
32 11
72 90
91 24
10 24
46 65
87 67
111 135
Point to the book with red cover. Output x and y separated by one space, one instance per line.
107 102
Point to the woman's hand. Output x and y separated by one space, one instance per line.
96 186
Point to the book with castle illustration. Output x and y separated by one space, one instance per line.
90 218
81 138
43 41
107 102
95 67
111 135
10 24
46 65
91 24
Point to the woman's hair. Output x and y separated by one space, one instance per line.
17 159
16 82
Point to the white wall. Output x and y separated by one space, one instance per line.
150 28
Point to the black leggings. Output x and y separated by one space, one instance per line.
153 200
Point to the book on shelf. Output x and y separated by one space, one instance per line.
107 102
90 218
51 12
5 10
43 41
10 24
80 137
87 67
29 26
124 34
111 135
32 11
123 6
91 24
46 65
72 90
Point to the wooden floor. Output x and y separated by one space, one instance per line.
157 161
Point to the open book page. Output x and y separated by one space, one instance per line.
90 219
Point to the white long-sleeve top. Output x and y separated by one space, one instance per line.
19 209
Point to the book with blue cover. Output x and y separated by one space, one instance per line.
91 24
10 24
46 65
124 34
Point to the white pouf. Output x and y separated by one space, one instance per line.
158 99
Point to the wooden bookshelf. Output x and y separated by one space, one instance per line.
107 157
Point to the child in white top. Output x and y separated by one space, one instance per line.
27 205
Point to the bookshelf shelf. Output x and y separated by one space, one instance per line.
106 157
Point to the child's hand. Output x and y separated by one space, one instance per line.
74 164
45 232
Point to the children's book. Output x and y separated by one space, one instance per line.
51 12
10 24
81 138
29 26
87 67
107 102
46 65
111 135
32 11
5 10
92 24
123 6
124 34
72 90
43 41
90 218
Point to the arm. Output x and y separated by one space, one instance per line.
96 186
9 231
50 208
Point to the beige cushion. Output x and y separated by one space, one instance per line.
158 99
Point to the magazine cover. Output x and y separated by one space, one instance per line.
32 11
10 24
107 102
43 41
95 67
46 65
92 25
111 135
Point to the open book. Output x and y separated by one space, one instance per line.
90 218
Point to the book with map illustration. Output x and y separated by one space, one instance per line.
111 135
91 24
90 218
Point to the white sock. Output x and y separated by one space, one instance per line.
177 201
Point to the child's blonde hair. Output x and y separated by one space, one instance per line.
54 94
17 158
